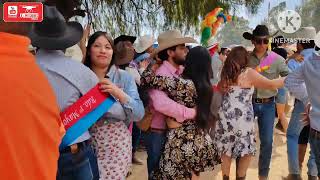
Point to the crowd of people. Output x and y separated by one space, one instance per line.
194 108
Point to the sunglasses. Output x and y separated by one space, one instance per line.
261 41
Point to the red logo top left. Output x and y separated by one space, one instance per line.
23 12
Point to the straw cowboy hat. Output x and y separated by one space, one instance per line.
54 33
172 38
306 33
143 43
259 31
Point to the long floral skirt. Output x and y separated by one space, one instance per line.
186 150
114 150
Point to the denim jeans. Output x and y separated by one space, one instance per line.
154 143
293 132
266 115
79 166
315 148
136 134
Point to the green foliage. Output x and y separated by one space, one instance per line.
310 13
231 33
136 16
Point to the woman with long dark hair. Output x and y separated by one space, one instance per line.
235 133
189 149
112 139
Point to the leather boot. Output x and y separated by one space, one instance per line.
293 177
241 178
225 177
312 177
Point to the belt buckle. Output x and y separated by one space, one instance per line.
258 101
74 148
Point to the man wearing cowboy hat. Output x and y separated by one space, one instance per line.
70 80
31 128
297 133
172 51
264 100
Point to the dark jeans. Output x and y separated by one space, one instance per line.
266 115
315 148
136 134
79 166
154 143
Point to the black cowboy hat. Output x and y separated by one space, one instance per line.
124 38
54 33
260 30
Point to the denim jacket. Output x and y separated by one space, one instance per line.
133 110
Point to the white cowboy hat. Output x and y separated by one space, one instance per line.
143 43
306 33
172 38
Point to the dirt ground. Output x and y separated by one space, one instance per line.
279 164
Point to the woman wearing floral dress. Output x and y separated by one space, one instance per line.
112 139
189 149
235 133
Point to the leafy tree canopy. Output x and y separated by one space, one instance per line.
135 16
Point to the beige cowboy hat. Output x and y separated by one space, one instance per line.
143 43
172 38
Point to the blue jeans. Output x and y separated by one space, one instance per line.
136 134
315 148
154 143
266 115
293 132
79 166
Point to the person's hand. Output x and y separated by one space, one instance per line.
86 33
107 86
144 64
305 115
154 67
298 57
83 41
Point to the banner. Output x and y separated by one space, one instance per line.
22 12
80 116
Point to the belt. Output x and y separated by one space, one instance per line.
314 133
156 130
74 148
263 100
